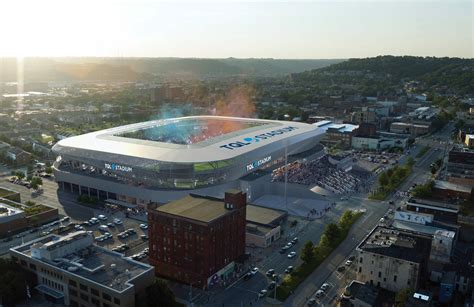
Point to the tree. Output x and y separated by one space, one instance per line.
159 294
402 297
36 182
383 179
48 170
13 281
20 175
346 219
331 235
307 254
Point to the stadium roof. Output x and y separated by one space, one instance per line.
187 139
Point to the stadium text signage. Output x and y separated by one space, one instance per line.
258 163
118 167
258 138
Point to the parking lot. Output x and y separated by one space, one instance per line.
133 244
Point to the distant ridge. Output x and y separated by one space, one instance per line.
136 69
385 71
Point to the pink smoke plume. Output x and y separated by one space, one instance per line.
238 102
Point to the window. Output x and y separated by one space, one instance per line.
72 292
95 292
33 266
107 297
380 274
116 301
72 283
394 278
83 287
408 282
95 301
23 262
105 305
360 260
360 269
73 303
84 297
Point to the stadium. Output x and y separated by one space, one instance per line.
162 160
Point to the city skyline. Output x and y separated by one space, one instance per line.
262 29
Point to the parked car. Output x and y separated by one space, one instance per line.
272 285
319 293
248 276
102 217
352 258
289 269
262 293
341 268
282 250
254 270
348 263
78 227
325 286
143 226
270 272
103 228
311 301
291 255
118 222
294 241
144 237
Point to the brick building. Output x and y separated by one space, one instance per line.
196 239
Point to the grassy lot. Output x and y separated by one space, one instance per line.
391 179
314 255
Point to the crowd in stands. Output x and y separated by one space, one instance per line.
319 172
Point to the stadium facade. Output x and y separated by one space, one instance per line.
163 160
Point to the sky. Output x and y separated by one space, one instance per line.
221 29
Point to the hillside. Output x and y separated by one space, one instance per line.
387 73
134 69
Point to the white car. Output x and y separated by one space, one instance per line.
348 263
103 228
143 226
319 293
254 271
262 293
325 286
78 227
117 221
102 217
292 255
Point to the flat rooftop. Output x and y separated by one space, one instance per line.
446 185
433 204
194 207
6 210
262 215
397 243
97 264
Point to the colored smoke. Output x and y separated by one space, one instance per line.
238 102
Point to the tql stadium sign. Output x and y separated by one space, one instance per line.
260 137
118 167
